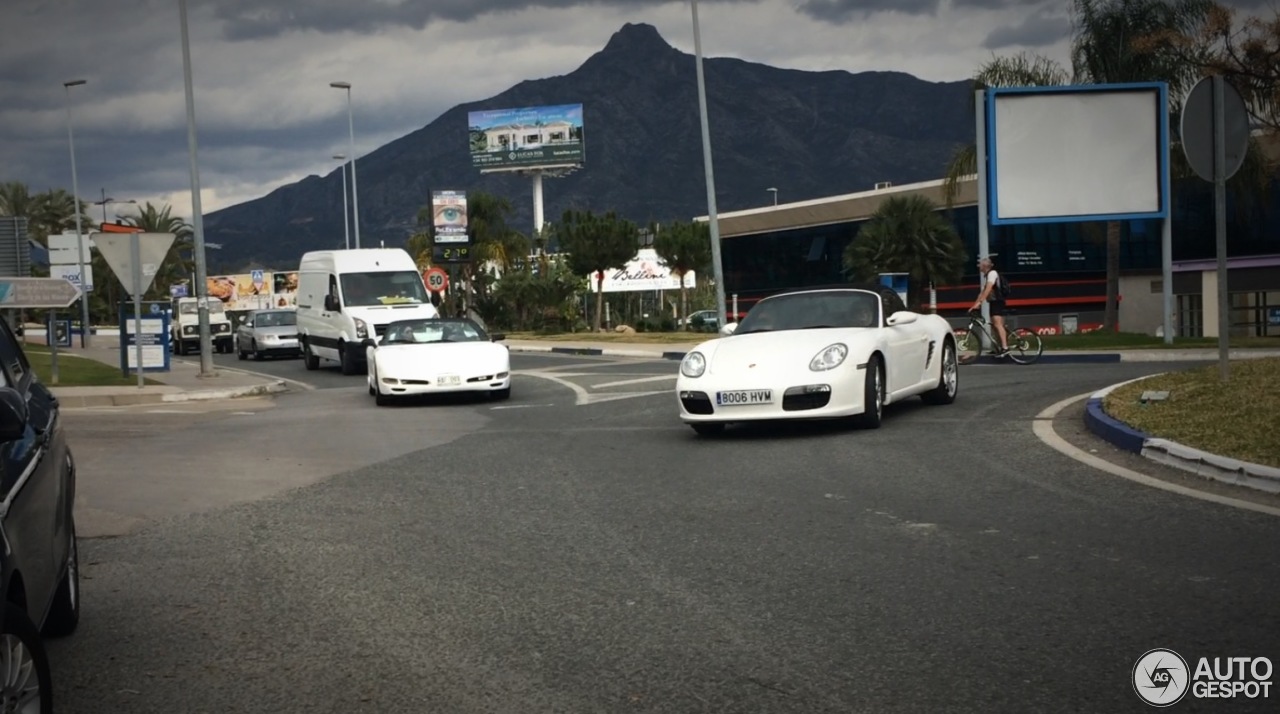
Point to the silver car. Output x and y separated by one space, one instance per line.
264 333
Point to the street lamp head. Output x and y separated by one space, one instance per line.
340 85
340 157
75 83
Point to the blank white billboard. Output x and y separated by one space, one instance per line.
1076 155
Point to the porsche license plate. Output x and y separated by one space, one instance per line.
743 397
448 380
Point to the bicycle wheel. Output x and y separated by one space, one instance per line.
968 345
1025 346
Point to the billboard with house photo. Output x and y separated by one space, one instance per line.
526 138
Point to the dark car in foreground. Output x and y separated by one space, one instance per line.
39 568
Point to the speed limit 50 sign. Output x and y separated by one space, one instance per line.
437 280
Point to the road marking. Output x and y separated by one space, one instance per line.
581 396
243 413
520 406
1043 428
641 380
169 411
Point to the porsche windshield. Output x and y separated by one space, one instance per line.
425 332
801 311
387 288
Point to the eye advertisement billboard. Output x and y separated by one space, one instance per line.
526 138
449 216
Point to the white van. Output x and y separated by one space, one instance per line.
346 299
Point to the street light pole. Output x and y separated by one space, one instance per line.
85 328
716 265
346 222
351 127
774 191
197 221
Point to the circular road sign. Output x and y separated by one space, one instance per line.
437 280
1197 129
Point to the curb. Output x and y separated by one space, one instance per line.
1170 453
129 400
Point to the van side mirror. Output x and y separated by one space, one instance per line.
13 414
331 303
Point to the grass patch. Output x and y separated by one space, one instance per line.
639 337
1099 340
1239 419
75 371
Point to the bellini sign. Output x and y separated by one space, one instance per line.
646 271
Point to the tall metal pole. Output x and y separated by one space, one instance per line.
537 203
85 341
351 128
1166 243
713 219
346 221
197 220
1220 221
980 156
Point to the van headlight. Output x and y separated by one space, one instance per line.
362 330
830 357
693 365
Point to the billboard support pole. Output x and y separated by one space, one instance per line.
537 202
980 158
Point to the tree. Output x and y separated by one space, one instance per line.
491 237
907 234
1107 46
684 248
596 244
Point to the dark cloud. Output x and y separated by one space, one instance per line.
842 11
1038 30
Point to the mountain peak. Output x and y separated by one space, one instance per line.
637 36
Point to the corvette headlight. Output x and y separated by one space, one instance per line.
829 358
362 330
693 365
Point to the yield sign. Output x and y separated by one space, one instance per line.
117 250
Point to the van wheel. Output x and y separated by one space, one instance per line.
348 357
309 360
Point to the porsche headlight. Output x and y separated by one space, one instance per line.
693 365
829 358
362 330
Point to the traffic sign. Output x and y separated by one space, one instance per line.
1198 130
135 275
437 279
36 293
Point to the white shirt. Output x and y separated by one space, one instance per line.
991 278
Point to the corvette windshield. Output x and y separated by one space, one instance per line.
801 311
424 332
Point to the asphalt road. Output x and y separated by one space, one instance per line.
577 549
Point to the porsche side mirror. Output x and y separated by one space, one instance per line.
729 329
901 318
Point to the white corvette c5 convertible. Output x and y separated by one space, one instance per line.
437 356
818 354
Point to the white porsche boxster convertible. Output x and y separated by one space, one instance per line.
437 356
817 354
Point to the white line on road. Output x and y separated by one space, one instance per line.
1043 428
658 378
521 406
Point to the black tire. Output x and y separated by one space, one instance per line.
64 613
350 365
382 400
969 346
309 360
34 663
708 428
873 395
180 347
1025 345
948 377
258 355
501 394
240 354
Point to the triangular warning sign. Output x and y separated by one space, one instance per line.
117 250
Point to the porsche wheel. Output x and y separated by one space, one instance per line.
708 428
873 396
948 379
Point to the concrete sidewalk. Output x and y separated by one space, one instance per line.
677 350
182 383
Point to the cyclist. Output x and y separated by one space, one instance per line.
991 294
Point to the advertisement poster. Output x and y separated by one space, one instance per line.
646 271
449 216
533 136
284 289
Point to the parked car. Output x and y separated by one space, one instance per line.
39 566
436 356
268 333
708 320
814 354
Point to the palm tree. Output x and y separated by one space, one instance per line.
1107 47
907 234
16 199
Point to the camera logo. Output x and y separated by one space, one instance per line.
1160 677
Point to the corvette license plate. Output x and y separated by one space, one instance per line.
449 380
743 397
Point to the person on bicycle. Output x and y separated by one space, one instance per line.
991 295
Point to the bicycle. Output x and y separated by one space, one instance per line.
1025 346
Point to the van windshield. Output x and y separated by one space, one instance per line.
386 288
215 307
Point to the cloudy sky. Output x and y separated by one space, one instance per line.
262 68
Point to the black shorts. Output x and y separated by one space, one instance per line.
997 308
